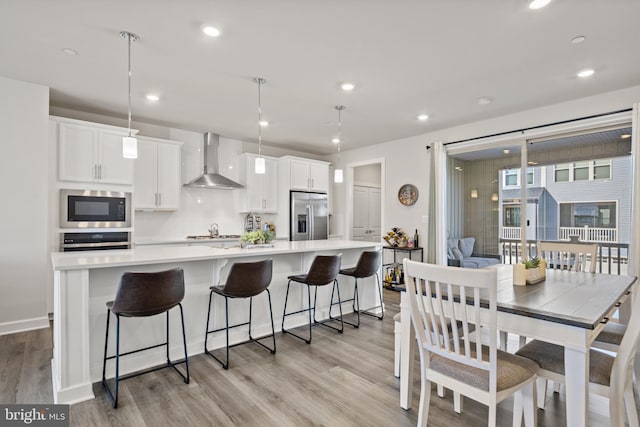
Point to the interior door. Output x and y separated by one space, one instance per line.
360 212
375 215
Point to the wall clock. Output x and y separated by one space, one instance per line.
408 194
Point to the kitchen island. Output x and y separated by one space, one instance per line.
85 281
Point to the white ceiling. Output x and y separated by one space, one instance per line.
405 56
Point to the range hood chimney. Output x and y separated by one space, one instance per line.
211 177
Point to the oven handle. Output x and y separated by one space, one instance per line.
94 245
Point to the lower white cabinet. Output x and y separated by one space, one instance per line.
260 194
157 177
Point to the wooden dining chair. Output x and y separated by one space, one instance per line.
563 256
449 357
609 376
569 256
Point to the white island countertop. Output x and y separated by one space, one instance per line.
155 254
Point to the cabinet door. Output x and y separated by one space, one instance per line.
78 155
254 185
114 169
300 179
319 177
144 194
270 189
169 176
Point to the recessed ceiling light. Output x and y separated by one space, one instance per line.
586 73
69 51
423 117
532 162
578 39
506 151
484 100
538 4
152 97
264 123
625 136
211 31
335 140
347 86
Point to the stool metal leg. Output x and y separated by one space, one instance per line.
368 311
335 287
184 341
285 314
206 329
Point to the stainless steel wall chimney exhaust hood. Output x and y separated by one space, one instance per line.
211 177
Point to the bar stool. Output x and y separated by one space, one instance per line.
323 271
144 295
367 266
245 280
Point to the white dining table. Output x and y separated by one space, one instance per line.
568 309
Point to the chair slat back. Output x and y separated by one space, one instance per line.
569 256
622 370
436 294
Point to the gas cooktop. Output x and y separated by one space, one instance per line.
221 236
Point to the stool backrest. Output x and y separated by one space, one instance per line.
368 264
247 279
146 294
324 270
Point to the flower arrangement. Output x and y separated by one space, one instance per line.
396 238
257 237
529 272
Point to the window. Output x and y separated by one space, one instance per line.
512 177
583 171
592 214
511 216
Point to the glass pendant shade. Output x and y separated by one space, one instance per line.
260 166
129 147
338 176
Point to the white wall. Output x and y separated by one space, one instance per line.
406 160
24 262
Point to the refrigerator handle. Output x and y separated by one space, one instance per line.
309 222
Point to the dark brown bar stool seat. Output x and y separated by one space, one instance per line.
323 271
144 295
245 280
367 266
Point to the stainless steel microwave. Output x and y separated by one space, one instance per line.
95 209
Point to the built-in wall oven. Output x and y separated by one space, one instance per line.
97 212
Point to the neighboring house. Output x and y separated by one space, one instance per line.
589 199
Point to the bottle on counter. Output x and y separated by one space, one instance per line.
416 241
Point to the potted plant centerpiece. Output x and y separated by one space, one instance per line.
257 238
529 272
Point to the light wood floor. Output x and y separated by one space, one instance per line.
339 380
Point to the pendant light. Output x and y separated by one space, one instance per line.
129 143
338 175
260 166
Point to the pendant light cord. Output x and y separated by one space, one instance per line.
129 78
259 81
339 128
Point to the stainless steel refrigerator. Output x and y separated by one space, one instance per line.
309 216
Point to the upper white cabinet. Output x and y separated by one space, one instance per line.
157 176
260 194
307 175
90 152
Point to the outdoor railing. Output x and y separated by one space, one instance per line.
585 234
612 258
589 234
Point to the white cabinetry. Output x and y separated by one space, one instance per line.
157 176
90 152
309 175
260 194
366 214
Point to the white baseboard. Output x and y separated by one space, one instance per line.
24 325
